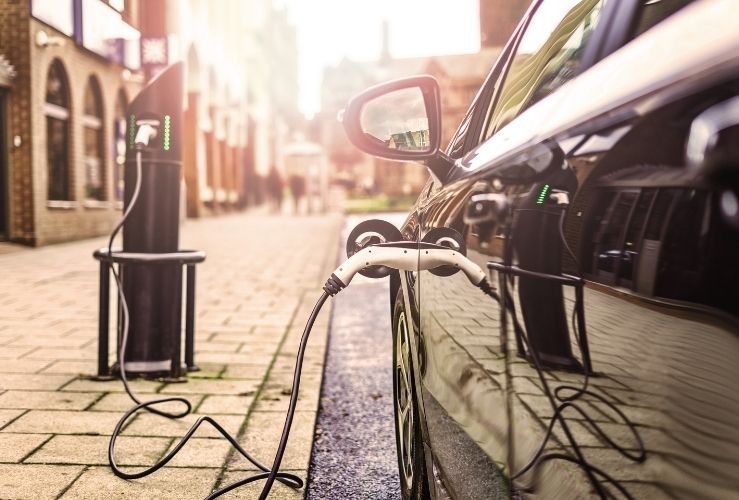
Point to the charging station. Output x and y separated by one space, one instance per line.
150 266
149 283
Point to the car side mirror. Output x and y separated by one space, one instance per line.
397 120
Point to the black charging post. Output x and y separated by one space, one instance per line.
151 263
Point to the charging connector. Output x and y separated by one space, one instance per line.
404 256
146 132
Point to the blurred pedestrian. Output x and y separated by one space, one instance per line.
274 189
297 188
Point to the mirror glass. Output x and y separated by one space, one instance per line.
398 120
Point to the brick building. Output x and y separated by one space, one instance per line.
68 68
61 108
242 90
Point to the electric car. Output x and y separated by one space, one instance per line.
596 178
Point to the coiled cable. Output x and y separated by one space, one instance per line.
270 475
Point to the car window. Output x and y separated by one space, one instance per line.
548 56
653 12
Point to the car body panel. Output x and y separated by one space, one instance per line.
667 360
625 79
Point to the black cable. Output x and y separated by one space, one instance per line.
560 402
271 475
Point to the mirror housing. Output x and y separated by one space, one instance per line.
353 114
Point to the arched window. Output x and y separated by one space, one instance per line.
119 144
92 121
56 109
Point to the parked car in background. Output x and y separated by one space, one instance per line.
596 176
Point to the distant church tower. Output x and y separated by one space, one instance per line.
385 49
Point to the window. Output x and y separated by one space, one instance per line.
93 133
56 109
610 254
630 252
667 242
119 144
653 12
548 55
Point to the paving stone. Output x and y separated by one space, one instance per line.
36 482
226 405
73 367
199 452
147 424
33 381
6 416
229 358
65 422
47 400
93 450
252 490
38 341
210 346
14 352
276 398
14 447
120 402
248 370
23 365
166 483
231 387
263 435
55 354
236 338
87 385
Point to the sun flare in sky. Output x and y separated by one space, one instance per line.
329 30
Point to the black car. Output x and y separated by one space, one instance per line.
596 177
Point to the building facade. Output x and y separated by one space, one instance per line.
68 69
241 107
75 69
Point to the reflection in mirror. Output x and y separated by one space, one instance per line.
398 120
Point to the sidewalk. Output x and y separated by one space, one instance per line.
255 291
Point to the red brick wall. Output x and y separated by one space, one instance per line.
32 221
498 19
15 43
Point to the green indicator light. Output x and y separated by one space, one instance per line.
165 142
131 130
542 194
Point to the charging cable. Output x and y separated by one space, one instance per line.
400 255
142 139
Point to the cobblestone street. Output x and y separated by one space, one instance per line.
255 290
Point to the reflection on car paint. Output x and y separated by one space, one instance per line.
660 311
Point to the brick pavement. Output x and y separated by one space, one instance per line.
255 290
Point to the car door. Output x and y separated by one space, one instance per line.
657 250
653 321
466 361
